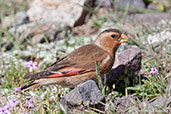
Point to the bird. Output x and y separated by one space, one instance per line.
80 65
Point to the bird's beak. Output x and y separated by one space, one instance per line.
124 38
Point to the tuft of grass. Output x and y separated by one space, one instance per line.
98 22
99 80
151 88
13 75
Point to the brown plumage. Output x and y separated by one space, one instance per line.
80 65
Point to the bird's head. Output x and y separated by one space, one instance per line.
110 39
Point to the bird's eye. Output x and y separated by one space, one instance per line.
113 35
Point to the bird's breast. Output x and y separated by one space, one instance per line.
107 64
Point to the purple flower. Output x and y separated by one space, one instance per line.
17 89
30 103
32 66
8 107
13 102
3 110
153 70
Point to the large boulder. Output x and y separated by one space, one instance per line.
68 12
50 19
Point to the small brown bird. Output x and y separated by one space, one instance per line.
80 65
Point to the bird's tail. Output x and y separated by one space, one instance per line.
32 85
34 81
39 82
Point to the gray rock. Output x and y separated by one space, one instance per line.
7 21
47 19
120 105
104 3
160 102
62 11
128 104
126 62
21 18
152 7
131 58
18 19
156 38
134 5
86 94
148 18
38 31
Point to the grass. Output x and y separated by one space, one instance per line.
46 99
14 74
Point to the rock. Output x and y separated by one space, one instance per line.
7 45
21 18
121 104
160 102
86 94
159 5
38 31
68 12
84 30
48 18
156 38
93 25
129 104
104 3
134 5
87 91
131 58
14 22
126 62
7 21
152 7
150 19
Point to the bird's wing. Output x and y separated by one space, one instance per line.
79 61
